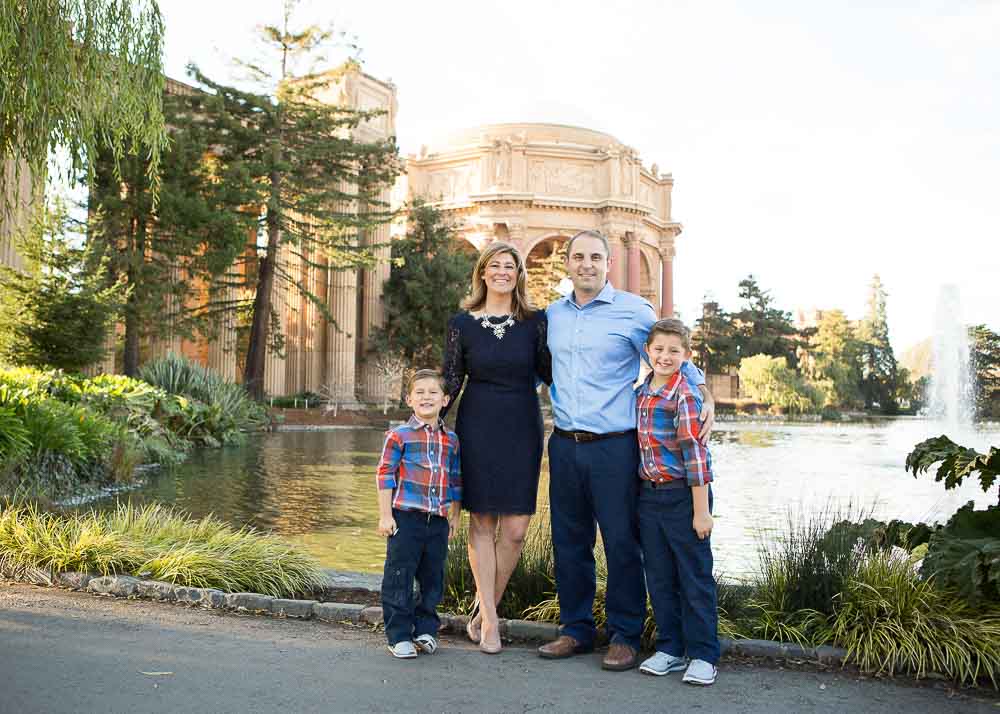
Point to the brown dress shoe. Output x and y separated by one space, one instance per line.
619 657
560 648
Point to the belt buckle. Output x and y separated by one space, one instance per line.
582 437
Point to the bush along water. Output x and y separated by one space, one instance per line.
156 543
60 433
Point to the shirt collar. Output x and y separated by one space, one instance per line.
668 390
415 423
607 295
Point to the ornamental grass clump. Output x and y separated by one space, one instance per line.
157 543
890 620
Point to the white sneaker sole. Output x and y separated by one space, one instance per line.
400 656
661 672
699 682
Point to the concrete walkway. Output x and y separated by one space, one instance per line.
63 651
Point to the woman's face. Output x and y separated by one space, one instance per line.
500 273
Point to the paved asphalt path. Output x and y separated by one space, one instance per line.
71 652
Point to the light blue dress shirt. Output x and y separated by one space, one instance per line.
595 360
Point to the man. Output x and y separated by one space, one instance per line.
596 335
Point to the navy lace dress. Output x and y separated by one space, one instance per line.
499 423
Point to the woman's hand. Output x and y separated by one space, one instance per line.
702 525
386 526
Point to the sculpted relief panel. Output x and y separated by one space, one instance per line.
453 183
561 178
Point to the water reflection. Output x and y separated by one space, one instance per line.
317 488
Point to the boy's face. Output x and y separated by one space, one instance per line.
666 354
427 399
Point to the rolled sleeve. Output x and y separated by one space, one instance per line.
696 463
455 475
388 464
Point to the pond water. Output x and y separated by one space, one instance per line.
316 488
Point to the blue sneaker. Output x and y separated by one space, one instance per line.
700 672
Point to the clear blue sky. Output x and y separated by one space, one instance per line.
812 144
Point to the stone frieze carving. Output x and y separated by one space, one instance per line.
453 183
559 178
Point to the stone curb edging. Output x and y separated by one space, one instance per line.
127 586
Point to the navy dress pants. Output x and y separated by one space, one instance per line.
417 552
594 484
679 574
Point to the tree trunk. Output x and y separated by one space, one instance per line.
253 373
137 246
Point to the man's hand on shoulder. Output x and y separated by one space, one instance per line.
707 419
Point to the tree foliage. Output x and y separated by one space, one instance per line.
320 188
429 279
545 274
55 313
76 73
714 339
762 328
984 349
831 362
176 254
770 380
878 363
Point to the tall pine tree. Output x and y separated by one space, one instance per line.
879 372
713 339
761 327
318 187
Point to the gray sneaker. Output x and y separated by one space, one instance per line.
662 663
403 650
700 672
426 643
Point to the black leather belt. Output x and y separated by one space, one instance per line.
664 485
582 436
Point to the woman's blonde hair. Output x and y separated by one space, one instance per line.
521 306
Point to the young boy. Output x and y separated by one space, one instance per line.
675 504
419 499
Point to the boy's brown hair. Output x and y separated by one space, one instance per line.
670 326
426 374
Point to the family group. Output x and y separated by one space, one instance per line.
630 460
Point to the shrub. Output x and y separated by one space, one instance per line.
770 380
964 555
890 620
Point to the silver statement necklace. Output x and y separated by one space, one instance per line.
499 329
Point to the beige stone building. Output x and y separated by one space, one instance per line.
536 185
532 184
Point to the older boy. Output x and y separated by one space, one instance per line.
675 505
419 499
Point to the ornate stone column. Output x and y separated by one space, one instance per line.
373 387
274 363
632 250
313 323
619 259
222 346
341 338
667 253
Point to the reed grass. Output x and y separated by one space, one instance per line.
155 542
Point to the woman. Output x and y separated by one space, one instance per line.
498 342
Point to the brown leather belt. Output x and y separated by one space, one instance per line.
663 485
583 436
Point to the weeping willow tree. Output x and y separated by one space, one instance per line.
75 74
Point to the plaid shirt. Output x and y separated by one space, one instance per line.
668 430
421 465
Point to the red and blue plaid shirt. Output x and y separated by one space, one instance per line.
668 429
420 463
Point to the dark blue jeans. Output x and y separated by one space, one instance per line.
679 574
588 482
417 551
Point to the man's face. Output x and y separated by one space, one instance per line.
588 265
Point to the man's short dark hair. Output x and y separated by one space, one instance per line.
589 234
670 326
426 374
